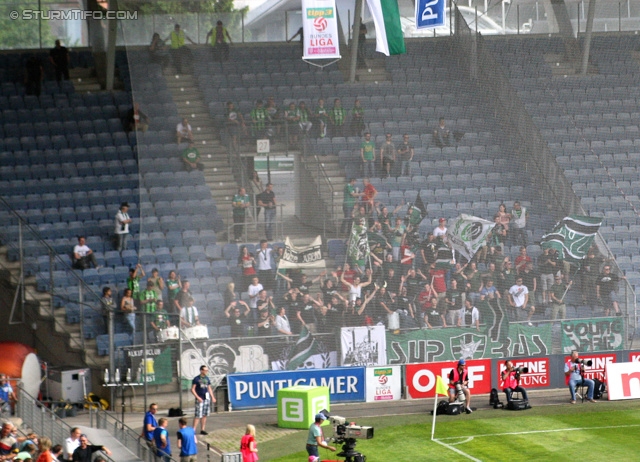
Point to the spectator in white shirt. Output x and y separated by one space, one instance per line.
183 131
71 443
469 315
441 229
282 322
122 226
83 256
189 315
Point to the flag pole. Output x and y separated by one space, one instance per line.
570 283
433 423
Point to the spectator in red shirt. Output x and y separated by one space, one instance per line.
425 297
438 278
522 259
369 195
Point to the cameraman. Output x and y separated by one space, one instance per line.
316 438
511 382
459 376
573 377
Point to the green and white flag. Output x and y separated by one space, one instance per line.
358 248
468 233
305 348
572 237
386 18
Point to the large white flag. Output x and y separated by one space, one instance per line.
320 26
468 233
307 256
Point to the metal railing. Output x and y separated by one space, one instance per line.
129 438
24 245
44 421
256 223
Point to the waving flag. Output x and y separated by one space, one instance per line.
386 18
305 348
572 237
468 233
358 248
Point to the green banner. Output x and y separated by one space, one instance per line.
158 368
497 340
589 335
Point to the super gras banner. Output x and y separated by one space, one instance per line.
587 335
498 339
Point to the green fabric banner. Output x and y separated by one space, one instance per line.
449 344
158 368
589 335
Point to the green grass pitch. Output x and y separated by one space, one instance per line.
595 432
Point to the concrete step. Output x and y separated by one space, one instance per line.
82 72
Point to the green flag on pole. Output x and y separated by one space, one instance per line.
572 237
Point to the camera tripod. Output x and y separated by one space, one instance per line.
349 452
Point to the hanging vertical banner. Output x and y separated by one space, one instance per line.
363 346
430 14
386 18
320 25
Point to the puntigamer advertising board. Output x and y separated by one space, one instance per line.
256 390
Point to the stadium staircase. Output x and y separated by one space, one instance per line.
218 173
84 79
375 71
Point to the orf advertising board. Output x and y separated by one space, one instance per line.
384 384
255 390
421 378
597 369
538 375
623 380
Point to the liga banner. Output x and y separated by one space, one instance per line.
433 345
383 384
320 25
588 335
468 233
307 256
430 14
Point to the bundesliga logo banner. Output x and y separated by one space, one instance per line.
320 24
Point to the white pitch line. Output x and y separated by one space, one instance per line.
457 451
469 439
543 431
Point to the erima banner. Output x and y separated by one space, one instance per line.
320 24
249 391
308 256
384 384
430 14
451 344
587 335
468 233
